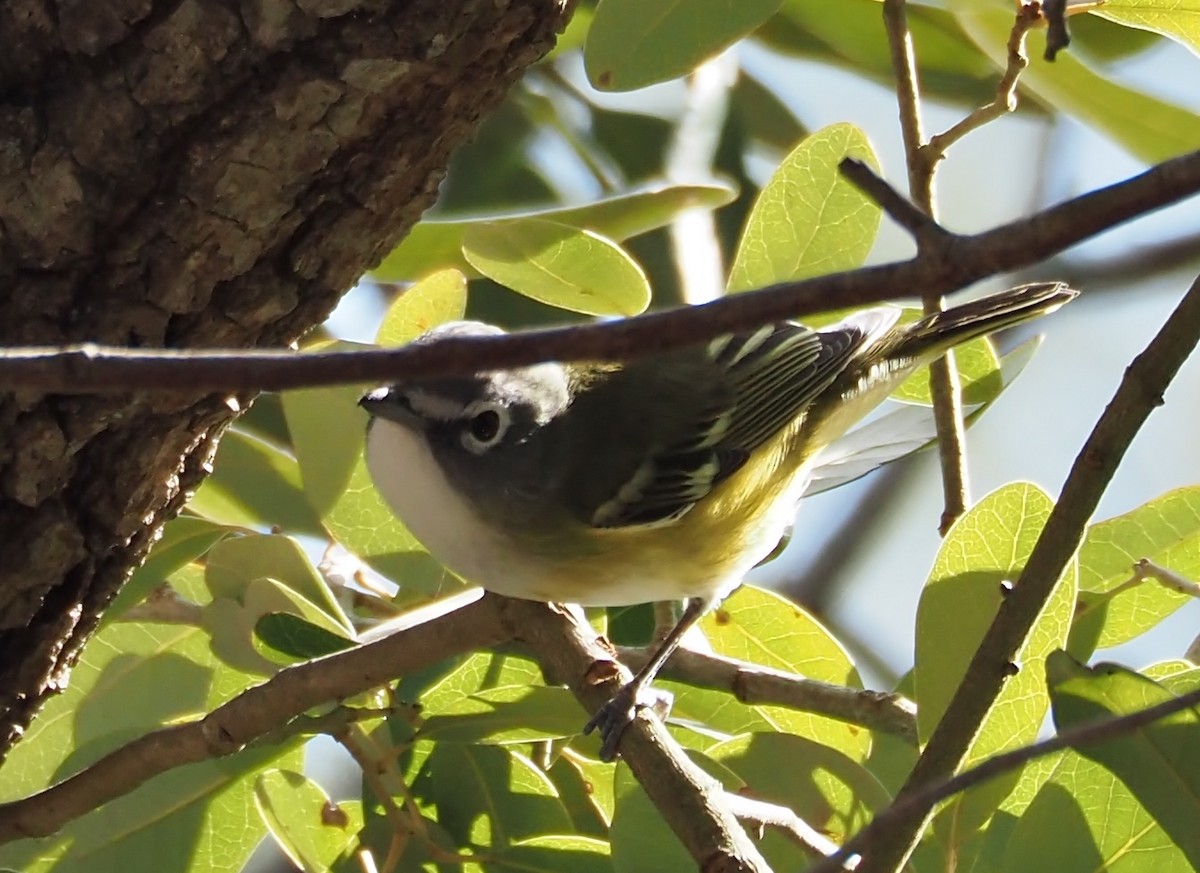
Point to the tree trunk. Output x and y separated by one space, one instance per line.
194 173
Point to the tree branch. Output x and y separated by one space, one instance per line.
956 262
257 712
1028 16
927 798
765 815
1140 392
944 387
753 684
691 801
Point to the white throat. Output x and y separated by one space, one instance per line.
410 480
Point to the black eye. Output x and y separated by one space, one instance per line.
485 426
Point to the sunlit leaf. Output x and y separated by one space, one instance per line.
131 679
183 540
808 220
1157 763
1167 531
434 300
435 244
763 627
254 484
826 789
1177 19
984 551
488 796
1082 820
633 44
311 829
558 265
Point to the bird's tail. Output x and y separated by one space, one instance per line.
932 335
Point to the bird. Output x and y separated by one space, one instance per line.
666 477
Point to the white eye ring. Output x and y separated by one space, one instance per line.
484 424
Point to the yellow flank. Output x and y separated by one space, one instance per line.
706 551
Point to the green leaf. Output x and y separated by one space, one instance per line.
311 829
327 428
558 265
1167 531
434 300
183 540
297 638
254 484
826 789
1149 129
808 220
507 714
1177 19
763 627
986 549
553 853
490 797
434 244
632 44
134 678
1083 819
585 787
236 562
846 33
1157 763
233 625
641 840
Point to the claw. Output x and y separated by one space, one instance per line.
613 717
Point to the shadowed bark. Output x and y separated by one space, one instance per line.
194 173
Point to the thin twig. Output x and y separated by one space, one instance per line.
1140 392
1028 17
1058 37
927 798
955 263
908 97
772 815
756 685
944 385
898 207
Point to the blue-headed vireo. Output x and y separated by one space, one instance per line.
663 478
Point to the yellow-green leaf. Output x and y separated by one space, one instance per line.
1176 19
434 300
312 830
633 43
808 219
559 265
986 549
1167 531
436 244
1157 763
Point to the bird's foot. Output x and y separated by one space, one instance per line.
613 717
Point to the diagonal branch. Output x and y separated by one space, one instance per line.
1140 392
258 712
1074 738
954 263
691 801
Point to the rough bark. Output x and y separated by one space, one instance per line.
194 173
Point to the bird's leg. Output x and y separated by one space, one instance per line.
614 716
